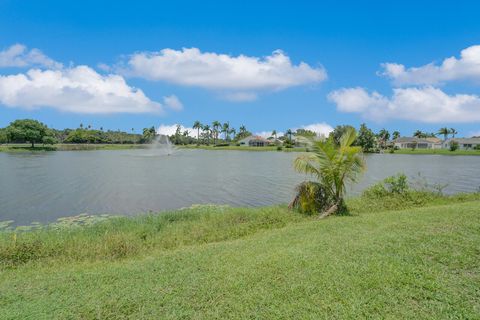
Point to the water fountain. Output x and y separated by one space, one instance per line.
162 146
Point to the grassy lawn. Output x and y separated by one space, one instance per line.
439 151
242 148
67 147
218 263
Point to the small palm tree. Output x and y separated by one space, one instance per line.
396 135
197 125
333 166
445 132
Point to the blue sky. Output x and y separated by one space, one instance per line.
346 40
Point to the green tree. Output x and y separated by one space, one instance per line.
197 125
3 136
27 130
289 133
395 135
338 132
49 140
445 132
366 138
333 166
149 134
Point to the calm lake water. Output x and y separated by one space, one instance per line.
45 186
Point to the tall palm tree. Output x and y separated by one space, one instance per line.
197 125
215 126
333 166
226 129
81 125
243 129
453 132
445 132
395 135
206 129
233 132
418 134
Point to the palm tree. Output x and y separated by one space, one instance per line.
225 129
418 134
206 129
215 125
101 128
445 132
453 132
197 125
233 132
289 134
333 166
242 129
81 125
274 134
396 135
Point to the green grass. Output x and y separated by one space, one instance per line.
269 263
241 148
439 151
67 147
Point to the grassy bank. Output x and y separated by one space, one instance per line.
242 148
440 152
419 260
68 147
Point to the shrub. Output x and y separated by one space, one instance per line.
222 144
311 198
477 147
391 185
453 146
279 148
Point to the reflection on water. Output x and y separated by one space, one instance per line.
45 186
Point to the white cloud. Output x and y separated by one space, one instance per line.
240 96
321 129
18 55
173 103
78 89
467 67
167 129
267 134
240 76
425 104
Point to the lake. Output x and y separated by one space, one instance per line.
45 186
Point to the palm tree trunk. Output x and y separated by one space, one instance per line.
329 212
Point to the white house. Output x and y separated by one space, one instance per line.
463 143
418 143
254 141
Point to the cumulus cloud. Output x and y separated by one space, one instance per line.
170 129
172 102
18 55
467 67
425 104
78 89
240 76
321 129
267 134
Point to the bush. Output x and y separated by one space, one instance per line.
279 148
477 147
392 185
453 146
222 144
311 198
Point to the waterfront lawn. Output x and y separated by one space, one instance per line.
439 151
67 147
420 263
241 148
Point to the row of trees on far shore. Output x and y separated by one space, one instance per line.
217 133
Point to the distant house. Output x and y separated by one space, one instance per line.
463 143
255 141
417 143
